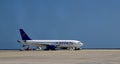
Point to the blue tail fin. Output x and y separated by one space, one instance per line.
24 35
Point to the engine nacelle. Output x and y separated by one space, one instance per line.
50 47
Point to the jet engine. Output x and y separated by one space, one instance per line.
50 47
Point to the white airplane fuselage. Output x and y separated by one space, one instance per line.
50 44
60 43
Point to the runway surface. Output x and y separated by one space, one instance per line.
60 57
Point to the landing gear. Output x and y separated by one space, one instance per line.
23 48
28 48
38 48
74 48
77 48
71 48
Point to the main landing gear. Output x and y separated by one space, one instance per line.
23 48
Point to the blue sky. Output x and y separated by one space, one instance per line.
94 22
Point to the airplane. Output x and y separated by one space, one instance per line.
48 44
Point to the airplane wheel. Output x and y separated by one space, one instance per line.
72 48
28 48
22 49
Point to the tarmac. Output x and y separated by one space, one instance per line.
60 57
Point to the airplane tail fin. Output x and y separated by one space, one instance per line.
24 35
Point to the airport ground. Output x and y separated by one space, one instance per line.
60 57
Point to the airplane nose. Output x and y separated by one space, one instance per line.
81 44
